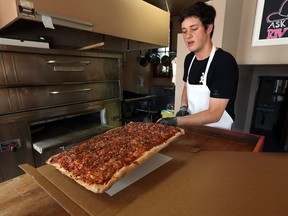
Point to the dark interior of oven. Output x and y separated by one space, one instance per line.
56 135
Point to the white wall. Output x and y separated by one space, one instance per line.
242 98
234 31
182 51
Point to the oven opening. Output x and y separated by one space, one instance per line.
66 131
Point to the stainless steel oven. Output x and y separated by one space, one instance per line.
51 100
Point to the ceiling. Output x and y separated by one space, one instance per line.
172 6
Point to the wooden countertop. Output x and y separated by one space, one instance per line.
23 196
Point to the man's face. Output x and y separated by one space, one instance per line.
194 33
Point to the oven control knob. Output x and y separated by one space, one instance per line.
12 148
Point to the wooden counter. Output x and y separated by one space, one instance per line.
23 196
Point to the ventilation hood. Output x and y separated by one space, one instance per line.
113 25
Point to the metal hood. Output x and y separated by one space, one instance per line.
113 25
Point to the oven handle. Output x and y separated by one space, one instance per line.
70 91
68 65
68 62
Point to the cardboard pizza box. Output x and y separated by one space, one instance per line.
220 184
203 183
76 200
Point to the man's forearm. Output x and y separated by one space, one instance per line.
201 118
184 98
212 114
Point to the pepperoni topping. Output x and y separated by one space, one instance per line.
96 160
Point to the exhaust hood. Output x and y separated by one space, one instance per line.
115 25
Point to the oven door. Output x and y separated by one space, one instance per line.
57 135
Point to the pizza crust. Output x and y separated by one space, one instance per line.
99 188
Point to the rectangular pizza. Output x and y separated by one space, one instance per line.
101 161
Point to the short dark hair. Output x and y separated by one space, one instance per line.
206 13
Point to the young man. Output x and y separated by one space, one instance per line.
210 74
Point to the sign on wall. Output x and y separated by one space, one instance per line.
271 23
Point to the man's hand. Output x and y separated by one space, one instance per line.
172 121
183 111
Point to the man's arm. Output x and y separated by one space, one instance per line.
184 98
212 114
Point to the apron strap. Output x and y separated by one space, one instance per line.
209 63
212 53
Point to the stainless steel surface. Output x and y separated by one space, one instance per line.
18 64
67 130
64 21
62 138
62 62
64 28
70 91
68 105
68 66
172 6
29 11
9 160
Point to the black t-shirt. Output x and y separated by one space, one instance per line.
222 78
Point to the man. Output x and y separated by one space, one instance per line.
210 74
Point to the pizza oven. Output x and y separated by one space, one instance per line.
51 100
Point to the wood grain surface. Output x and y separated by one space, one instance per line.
23 196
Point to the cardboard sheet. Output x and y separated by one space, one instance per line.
206 183
219 184
148 166
75 197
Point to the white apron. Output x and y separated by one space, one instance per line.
199 96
